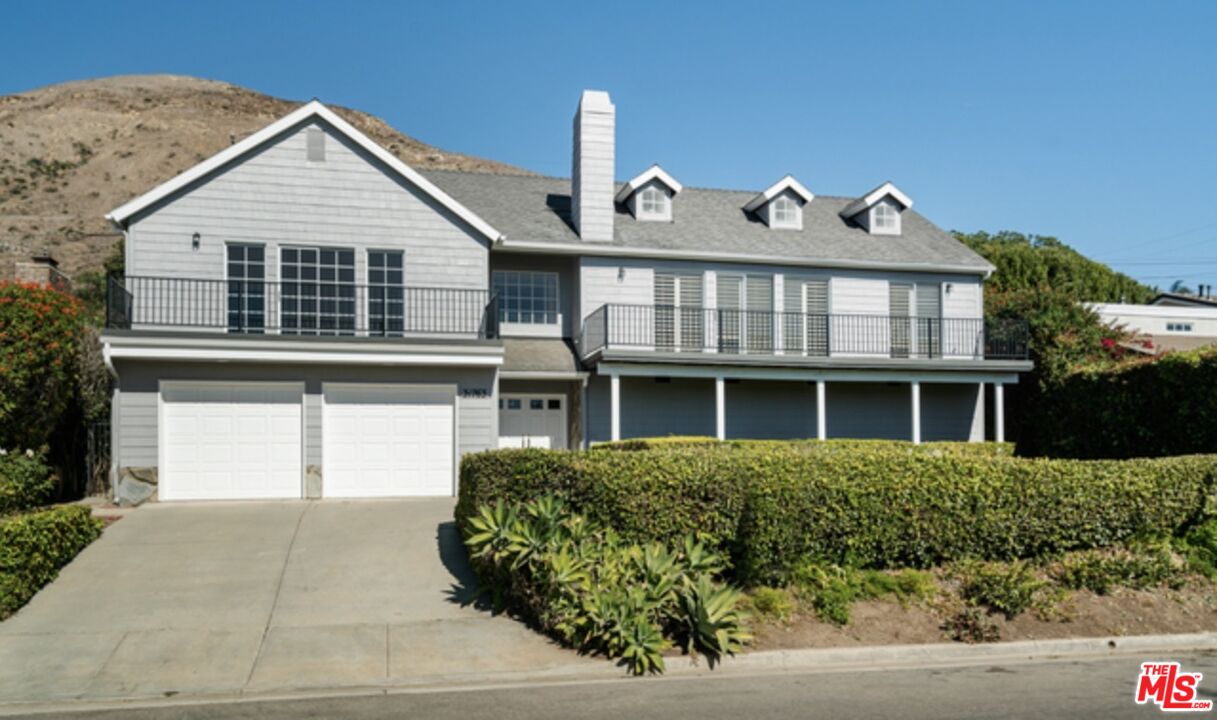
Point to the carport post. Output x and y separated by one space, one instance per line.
916 387
720 408
821 412
999 414
615 406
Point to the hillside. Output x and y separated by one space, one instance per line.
70 153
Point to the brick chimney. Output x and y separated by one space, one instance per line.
592 167
43 269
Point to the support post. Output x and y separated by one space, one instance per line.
821 411
999 414
615 406
720 408
916 389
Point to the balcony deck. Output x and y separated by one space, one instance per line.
703 335
300 309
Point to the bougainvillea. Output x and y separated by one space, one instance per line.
40 335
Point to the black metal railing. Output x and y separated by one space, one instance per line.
299 308
757 332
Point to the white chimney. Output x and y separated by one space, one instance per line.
591 197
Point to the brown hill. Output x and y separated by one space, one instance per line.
72 152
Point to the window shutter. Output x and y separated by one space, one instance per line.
898 320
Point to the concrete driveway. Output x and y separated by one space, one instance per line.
238 598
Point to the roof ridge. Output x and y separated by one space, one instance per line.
539 176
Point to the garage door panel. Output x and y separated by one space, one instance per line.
388 441
231 441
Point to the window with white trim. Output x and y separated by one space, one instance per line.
1178 327
653 203
526 296
386 292
886 217
784 212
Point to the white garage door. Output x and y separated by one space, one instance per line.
230 441
387 441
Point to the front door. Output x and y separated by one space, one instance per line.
531 420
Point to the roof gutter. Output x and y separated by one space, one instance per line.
595 250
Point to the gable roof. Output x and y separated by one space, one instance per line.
1169 299
652 173
711 225
875 196
769 193
313 109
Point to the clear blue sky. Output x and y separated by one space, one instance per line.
1094 122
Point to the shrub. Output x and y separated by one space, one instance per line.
1142 407
1101 570
34 546
40 331
1008 588
645 496
972 625
831 590
775 603
1199 547
25 481
583 583
772 507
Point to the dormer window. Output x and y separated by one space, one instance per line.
879 211
780 206
653 203
886 217
649 196
784 212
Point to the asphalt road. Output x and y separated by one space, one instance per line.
1099 688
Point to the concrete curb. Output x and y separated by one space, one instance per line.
810 660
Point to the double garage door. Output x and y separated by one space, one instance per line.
235 441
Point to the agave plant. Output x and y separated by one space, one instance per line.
713 622
490 531
700 560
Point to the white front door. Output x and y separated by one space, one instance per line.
230 441
388 440
529 420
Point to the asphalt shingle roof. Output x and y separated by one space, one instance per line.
537 210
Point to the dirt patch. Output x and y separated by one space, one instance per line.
70 153
1083 614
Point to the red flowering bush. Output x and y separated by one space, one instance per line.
40 334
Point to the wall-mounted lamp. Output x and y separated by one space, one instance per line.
949 288
194 241
621 274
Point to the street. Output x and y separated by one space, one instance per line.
1098 688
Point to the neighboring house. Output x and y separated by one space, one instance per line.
305 315
1170 322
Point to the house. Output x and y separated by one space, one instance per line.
1169 322
305 315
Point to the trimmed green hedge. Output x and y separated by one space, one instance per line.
34 546
1142 408
25 482
772 506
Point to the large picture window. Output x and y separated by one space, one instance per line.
246 287
318 291
386 292
527 297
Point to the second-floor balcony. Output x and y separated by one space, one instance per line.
335 309
697 331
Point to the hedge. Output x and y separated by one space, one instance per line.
25 482
1141 408
773 506
34 546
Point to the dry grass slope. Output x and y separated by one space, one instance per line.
70 153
